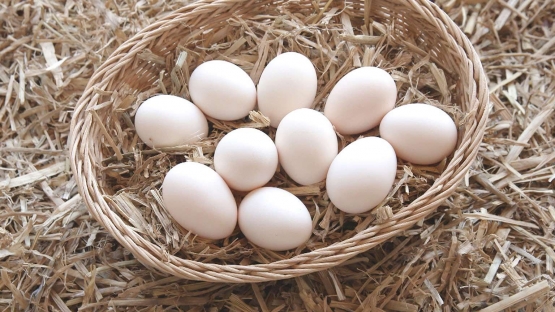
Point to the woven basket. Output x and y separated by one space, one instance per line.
143 65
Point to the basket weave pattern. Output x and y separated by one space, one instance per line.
420 26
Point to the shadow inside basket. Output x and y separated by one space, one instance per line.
336 41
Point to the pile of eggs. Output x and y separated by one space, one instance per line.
358 178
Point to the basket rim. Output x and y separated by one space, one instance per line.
305 263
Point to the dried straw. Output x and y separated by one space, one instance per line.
54 256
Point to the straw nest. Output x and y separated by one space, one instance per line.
120 179
489 245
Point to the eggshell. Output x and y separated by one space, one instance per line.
199 200
222 90
287 83
307 144
360 99
420 133
274 219
168 120
246 159
361 175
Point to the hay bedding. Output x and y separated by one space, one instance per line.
491 242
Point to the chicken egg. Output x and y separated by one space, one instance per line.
246 159
274 219
199 200
287 83
361 175
421 134
222 90
360 99
168 120
306 144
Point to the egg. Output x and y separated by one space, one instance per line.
246 159
274 219
361 175
306 144
421 134
199 200
287 83
168 120
222 90
360 99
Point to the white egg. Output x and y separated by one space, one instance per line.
199 200
287 83
306 144
167 120
420 133
222 90
360 99
246 159
274 219
361 175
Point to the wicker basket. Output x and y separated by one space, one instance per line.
143 65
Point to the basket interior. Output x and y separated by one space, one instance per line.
337 36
